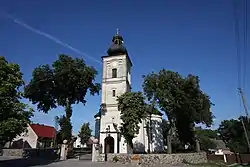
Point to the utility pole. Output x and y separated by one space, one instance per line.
244 102
242 121
245 131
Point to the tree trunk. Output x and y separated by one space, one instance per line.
169 141
197 143
130 147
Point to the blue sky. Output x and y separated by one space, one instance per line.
191 36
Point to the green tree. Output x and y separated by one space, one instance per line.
65 83
206 138
14 115
232 133
133 110
85 133
182 101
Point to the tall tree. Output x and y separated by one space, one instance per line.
14 115
85 133
182 100
65 83
133 110
232 133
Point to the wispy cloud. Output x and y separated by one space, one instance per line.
50 37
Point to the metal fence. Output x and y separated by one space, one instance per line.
231 158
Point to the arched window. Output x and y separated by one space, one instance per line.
114 73
114 93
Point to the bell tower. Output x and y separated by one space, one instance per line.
116 80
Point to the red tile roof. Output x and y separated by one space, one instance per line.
44 130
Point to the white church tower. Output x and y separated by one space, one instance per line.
116 80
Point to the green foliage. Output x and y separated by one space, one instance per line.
133 110
181 99
85 133
115 159
206 138
212 134
232 133
59 139
14 115
68 79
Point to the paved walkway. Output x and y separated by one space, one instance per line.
17 162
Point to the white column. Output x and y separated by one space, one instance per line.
115 142
95 152
64 151
225 158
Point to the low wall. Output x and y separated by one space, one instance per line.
12 152
50 153
149 160
47 153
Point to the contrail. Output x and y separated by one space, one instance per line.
56 40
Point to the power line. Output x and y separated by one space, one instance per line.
237 39
241 66
241 56
245 45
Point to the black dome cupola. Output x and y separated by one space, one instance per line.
117 47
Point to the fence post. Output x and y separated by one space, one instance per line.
225 158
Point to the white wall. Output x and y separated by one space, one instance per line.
29 136
141 140
157 134
120 85
219 152
77 143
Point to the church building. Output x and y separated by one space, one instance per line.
116 80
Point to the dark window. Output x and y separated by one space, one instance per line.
114 73
113 93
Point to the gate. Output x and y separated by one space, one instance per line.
83 153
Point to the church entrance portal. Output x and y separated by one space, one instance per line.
109 144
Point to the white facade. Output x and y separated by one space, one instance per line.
141 140
78 144
28 136
114 85
111 88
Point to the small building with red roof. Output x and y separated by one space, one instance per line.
36 136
